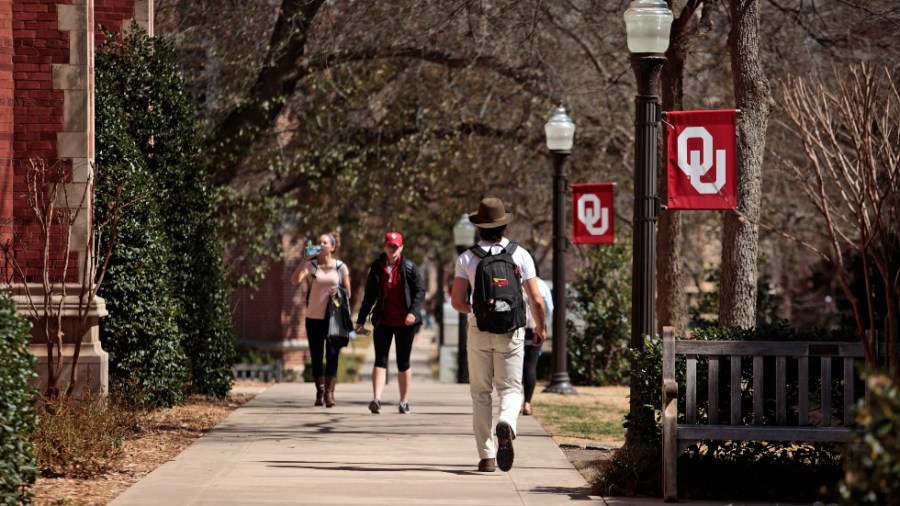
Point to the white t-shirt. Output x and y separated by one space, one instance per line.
467 262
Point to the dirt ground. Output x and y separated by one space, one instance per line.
169 432
165 435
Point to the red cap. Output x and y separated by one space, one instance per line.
393 238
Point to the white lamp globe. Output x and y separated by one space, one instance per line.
647 26
560 131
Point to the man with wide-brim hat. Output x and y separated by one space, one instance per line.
495 358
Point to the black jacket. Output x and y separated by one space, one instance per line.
413 288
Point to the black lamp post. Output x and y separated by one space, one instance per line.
647 24
463 238
560 132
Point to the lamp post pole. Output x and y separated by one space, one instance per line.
462 355
648 24
439 303
559 380
647 68
463 238
560 133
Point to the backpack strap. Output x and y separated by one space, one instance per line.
481 253
478 251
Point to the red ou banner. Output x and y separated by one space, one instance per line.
702 159
592 213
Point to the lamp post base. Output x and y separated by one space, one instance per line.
560 384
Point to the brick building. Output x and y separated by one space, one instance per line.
272 318
47 116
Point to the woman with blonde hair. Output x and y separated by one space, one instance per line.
323 274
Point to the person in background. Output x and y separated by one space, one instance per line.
323 273
495 360
532 352
394 295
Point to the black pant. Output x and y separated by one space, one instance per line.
316 332
529 375
383 336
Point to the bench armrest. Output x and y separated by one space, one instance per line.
670 391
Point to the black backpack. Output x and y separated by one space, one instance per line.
497 293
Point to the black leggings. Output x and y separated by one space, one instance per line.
316 330
529 375
383 336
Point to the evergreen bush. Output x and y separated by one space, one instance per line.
160 118
872 467
601 304
141 333
17 417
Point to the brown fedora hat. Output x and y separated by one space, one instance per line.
491 214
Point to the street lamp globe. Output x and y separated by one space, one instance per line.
560 131
464 232
647 26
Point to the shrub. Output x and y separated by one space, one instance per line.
873 460
82 438
17 461
141 332
159 117
601 299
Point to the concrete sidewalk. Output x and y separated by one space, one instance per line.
280 449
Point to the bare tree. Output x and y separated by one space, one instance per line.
850 133
61 210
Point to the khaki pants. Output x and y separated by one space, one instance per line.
495 360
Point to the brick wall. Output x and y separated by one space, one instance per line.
110 14
38 44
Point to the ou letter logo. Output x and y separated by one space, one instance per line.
696 163
592 214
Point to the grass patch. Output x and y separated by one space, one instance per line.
593 416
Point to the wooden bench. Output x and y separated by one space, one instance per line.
258 372
811 419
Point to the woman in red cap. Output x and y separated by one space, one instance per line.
394 296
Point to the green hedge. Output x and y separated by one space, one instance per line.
599 322
141 332
17 419
158 117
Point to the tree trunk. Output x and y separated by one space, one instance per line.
671 302
740 244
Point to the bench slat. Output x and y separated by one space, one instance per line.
826 391
735 390
763 433
690 414
758 390
767 348
780 390
713 389
848 391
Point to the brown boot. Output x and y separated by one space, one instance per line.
320 391
329 391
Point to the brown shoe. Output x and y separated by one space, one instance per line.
526 409
487 465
